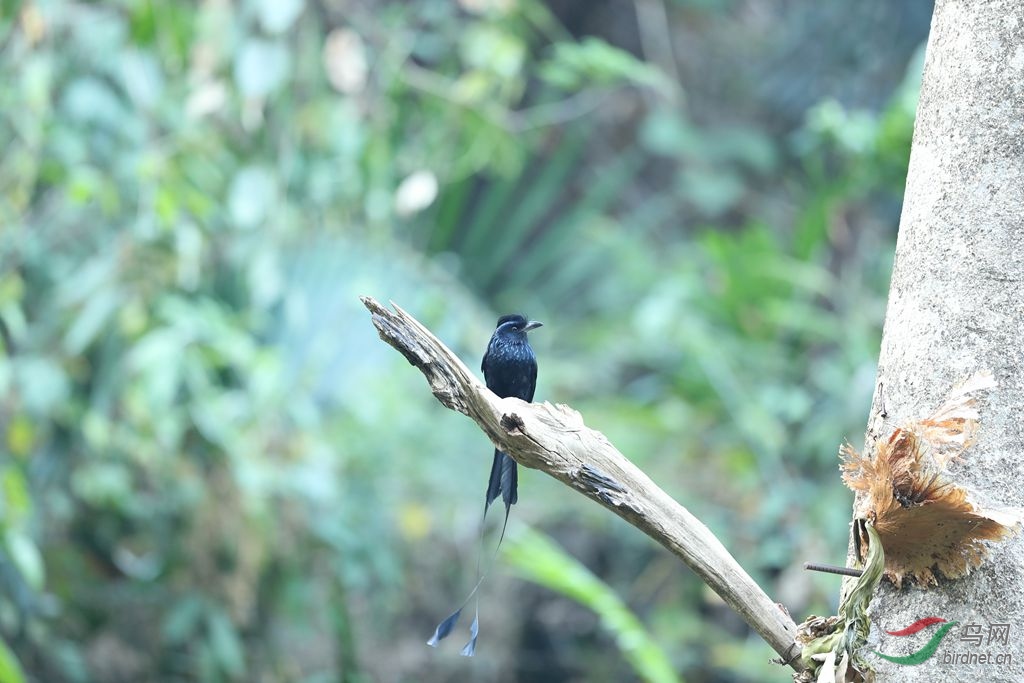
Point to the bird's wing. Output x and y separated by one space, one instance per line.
533 382
483 362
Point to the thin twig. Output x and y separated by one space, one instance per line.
656 39
832 569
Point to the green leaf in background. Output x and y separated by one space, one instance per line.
225 644
10 669
25 555
277 16
92 319
42 384
182 620
593 62
15 500
143 81
537 558
90 100
252 196
487 47
261 67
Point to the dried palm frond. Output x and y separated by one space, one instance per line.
924 519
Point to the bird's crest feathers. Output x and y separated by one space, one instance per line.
512 317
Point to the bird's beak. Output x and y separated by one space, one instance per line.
532 325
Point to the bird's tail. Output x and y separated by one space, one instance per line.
504 481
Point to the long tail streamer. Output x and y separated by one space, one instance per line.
446 626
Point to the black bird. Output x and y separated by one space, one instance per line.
510 370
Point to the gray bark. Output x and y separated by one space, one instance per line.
955 307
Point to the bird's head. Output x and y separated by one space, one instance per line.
515 326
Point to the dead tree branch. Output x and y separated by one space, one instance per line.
553 439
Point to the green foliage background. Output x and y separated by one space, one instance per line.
212 470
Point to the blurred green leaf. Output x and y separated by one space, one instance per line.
10 669
16 504
93 317
665 132
537 558
277 16
103 484
261 67
142 78
485 46
225 644
593 62
253 193
41 384
183 620
26 557
90 100
712 192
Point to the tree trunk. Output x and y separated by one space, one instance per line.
956 306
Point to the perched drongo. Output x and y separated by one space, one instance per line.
510 370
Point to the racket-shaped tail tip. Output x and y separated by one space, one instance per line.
444 628
474 630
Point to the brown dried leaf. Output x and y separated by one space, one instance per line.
862 473
951 429
946 532
926 521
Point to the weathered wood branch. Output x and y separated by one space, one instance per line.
553 439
